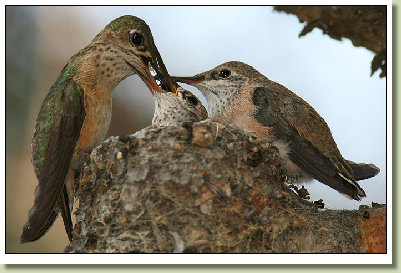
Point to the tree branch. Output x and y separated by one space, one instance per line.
363 25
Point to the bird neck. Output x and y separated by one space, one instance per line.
99 68
219 104
168 110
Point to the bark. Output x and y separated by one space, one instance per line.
363 25
206 188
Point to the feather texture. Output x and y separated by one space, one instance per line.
308 153
56 133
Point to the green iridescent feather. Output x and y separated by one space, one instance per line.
64 88
127 21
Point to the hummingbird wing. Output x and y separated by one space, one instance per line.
56 133
284 114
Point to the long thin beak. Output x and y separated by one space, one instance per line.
189 80
162 71
141 67
158 80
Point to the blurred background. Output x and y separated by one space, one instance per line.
333 76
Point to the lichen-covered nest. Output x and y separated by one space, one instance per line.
201 188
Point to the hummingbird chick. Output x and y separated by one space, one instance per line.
238 94
76 113
173 110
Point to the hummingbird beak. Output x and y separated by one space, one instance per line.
189 80
162 76
144 70
153 72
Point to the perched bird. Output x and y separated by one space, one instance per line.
238 94
75 115
174 110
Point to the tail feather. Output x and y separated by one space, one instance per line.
363 171
64 207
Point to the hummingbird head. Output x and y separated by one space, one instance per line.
129 40
222 84
171 110
223 81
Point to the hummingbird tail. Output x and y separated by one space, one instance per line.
363 171
65 211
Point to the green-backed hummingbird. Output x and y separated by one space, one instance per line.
76 113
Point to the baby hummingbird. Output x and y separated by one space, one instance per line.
174 110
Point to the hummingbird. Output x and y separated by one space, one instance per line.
174 110
76 112
238 94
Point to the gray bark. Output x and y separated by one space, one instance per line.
206 188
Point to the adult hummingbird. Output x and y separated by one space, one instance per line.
76 113
238 94
174 110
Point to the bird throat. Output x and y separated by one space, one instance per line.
221 102
102 69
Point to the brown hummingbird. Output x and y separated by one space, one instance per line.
76 113
174 110
238 94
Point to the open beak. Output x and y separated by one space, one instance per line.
189 80
162 74
154 73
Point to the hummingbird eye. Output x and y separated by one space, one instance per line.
225 73
136 39
192 100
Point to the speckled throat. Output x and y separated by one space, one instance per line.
102 68
221 102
